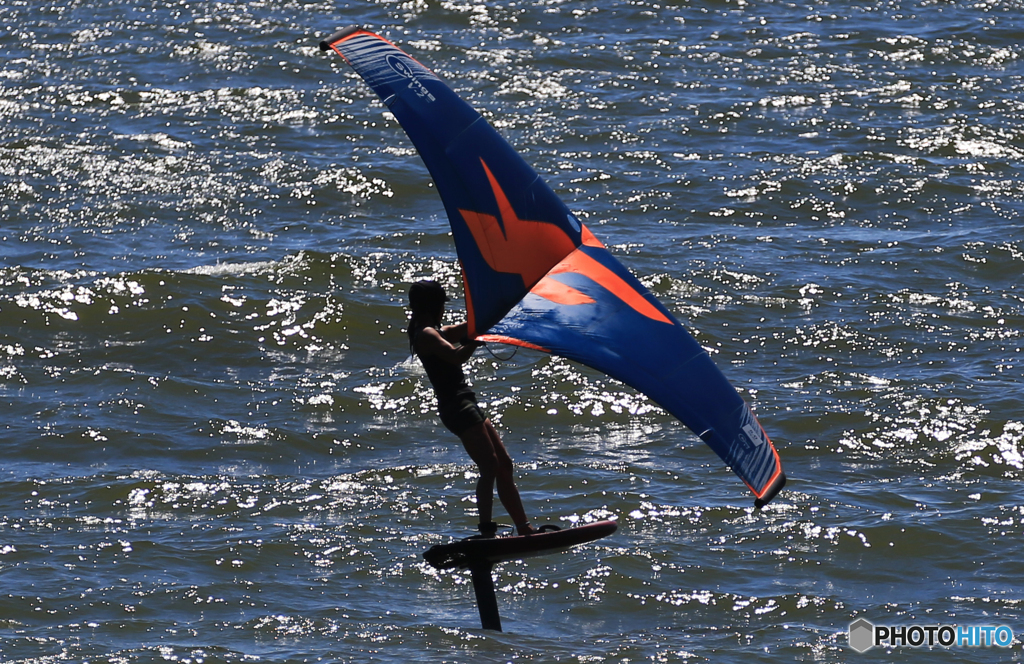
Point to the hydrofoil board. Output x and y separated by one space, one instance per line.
473 551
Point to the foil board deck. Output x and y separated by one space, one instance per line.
473 551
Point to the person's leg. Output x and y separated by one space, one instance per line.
492 459
478 446
508 493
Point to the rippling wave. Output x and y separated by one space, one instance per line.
217 449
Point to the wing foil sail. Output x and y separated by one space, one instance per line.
536 277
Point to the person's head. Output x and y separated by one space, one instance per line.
426 299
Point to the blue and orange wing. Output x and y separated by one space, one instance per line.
536 277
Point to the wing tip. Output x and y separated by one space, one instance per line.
325 45
773 490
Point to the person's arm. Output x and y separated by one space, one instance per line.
455 333
431 342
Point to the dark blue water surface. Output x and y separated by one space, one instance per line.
215 448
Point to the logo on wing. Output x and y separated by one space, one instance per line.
400 66
404 67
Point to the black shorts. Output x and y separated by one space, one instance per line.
462 416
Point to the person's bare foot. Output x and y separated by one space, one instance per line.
525 529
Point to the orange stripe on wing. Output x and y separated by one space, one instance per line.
470 314
590 239
503 339
356 33
778 468
581 263
560 293
771 480
359 33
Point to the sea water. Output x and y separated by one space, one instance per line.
215 448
